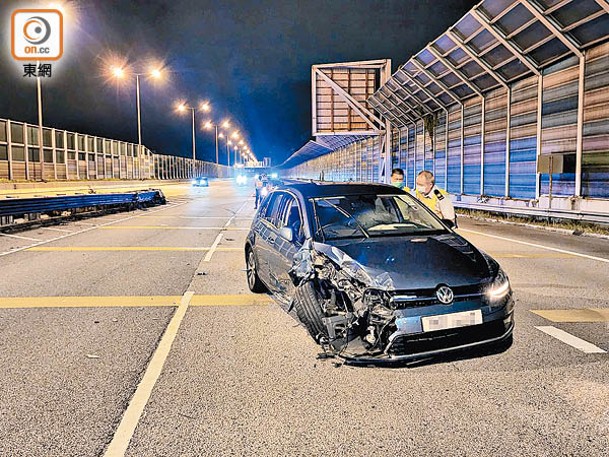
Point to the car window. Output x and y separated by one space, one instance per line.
372 215
334 222
292 218
273 210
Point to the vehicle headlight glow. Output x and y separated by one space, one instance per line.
499 288
241 179
264 192
274 175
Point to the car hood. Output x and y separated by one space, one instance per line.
420 262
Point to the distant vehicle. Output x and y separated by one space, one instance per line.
202 181
374 275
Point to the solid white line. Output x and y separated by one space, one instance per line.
120 442
578 254
19 237
213 248
571 340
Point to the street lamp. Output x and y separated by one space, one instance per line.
209 125
120 73
227 142
182 107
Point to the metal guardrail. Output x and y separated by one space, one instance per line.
20 206
581 216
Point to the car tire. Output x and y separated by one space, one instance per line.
253 280
309 311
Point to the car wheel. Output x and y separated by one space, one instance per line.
253 281
309 311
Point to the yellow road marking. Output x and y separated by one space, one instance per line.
231 300
87 302
574 315
114 248
124 248
130 302
166 227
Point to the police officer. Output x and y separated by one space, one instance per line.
258 186
397 179
433 197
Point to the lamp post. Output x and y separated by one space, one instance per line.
121 73
182 107
209 125
227 142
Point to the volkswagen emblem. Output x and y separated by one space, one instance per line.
445 295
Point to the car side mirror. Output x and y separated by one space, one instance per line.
287 233
449 223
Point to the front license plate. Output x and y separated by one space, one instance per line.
454 320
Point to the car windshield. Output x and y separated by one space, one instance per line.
358 216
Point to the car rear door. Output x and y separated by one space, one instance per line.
266 238
290 216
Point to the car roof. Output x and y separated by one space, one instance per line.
325 189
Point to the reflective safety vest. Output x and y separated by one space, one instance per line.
439 202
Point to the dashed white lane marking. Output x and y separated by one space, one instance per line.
571 340
213 248
67 235
120 442
27 238
578 254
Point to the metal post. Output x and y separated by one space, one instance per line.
539 132
194 143
580 127
40 150
94 155
416 142
508 141
482 139
462 146
54 153
9 144
388 152
217 159
139 118
446 152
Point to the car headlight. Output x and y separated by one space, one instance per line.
264 192
499 288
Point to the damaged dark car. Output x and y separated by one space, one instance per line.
373 275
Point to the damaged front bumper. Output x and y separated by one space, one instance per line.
367 323
408 347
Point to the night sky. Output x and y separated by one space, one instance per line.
250 59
